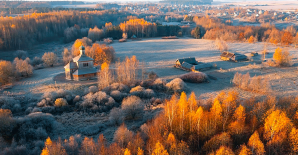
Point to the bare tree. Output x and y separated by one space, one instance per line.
23 67
6 72
49 58
67 56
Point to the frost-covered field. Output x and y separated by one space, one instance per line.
159 56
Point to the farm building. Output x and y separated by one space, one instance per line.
228 56
191 64
80 68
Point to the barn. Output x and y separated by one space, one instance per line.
228 56
191 64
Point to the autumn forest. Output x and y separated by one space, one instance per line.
156 78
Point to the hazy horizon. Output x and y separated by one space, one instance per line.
155 0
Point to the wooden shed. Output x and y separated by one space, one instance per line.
228 56
191 64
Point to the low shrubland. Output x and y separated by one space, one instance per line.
23 67
193 77
255 84
223 123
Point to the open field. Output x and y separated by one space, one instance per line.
160 55
265 5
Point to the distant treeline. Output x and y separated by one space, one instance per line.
22 4
213 28
25 31
7 11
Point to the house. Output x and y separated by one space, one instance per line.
80 67
228 56
191 64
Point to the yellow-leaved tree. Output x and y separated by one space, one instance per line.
294 140
127 152
53 148
159 149
255 144
182 111
282 58
105 76
244 150
216 112
223 150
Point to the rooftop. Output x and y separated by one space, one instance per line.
83 71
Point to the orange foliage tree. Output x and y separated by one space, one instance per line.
6 72
287 38
159 150
255 144
294 140
53 148
281 57
251 39
139 27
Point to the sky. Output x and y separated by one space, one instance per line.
155 0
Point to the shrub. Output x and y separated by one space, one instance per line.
282 58
142 92
10 103
152 75
194 77
176 86
35 126
117 86
122 136
93 129
117 95
36 61
255 83
137 89
116 116
132 108
76 99
93 89
15 150
121 87
21 54
50 95
60 102
50 59
97 101
6 72
61 93
110 103
159 85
